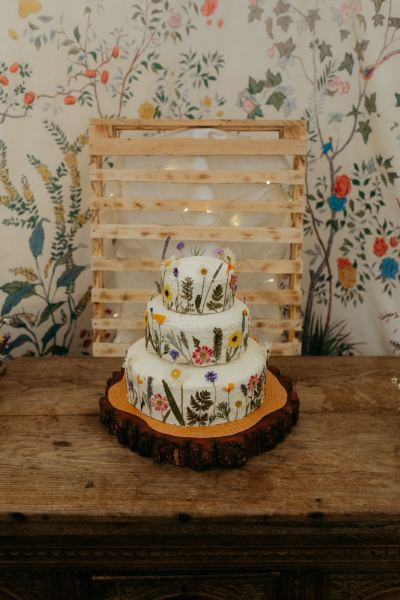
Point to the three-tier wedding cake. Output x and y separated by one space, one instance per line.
197 364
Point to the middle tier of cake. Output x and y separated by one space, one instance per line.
198 340
188 395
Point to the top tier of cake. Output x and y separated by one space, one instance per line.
198 284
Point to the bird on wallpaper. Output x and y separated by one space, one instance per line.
28 7
327 148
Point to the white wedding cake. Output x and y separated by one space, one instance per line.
197 364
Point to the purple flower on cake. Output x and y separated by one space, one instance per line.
218 252
175 271
174 354
244 389
211 376
151 310
180 246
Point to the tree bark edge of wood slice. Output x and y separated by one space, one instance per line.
201 453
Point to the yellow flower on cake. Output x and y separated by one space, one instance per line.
167 293
146 317
139 379
234 339
176 373
203 271
146 110
238 403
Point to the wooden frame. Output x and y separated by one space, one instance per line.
105 141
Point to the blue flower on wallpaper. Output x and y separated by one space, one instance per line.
336 204
389 268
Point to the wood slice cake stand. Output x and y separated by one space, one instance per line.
227 447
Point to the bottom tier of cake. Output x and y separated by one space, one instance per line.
188 395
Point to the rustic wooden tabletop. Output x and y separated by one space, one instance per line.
58 462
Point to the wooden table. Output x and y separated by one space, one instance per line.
83 517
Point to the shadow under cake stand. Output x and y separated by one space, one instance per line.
224 445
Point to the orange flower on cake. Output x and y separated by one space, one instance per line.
202 355
209 7
380 247
342 186
347 273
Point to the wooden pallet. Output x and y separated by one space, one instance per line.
106 140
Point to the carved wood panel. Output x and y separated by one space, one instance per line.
364 586
228 587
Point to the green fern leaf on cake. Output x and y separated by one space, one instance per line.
217 294
196 342
217 343
223 410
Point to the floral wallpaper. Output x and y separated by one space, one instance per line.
332 63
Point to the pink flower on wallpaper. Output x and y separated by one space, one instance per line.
209 7
271 51
253 2
345 87
174 20
220 23
349 7
248 105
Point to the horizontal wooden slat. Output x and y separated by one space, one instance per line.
118 124
277 266
136 323
196 147
197 176
114 295
156 204
284 235
119 350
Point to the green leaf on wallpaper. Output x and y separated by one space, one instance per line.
276 99
378 4
347 63
281 7
365 129
397 96
284 22
49 310
394 22
272 80
370 103
324 51
268 26
14 298
285 49
50 333
36 240
344 33
77 35
57 350
360 48
378 20
255 87
69 276
21 339
311 18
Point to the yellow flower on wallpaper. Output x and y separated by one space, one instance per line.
146 110
13 34
207 101
28 7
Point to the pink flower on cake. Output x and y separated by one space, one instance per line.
202 355
233 280
159 402
253 382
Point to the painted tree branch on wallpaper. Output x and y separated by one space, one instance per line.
344 207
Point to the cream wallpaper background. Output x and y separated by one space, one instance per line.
333 63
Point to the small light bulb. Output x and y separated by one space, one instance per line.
236 224
111 194
208 211
270 280
268 182
185 209
115 315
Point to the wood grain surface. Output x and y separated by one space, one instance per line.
341 460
